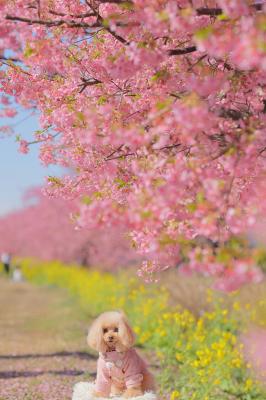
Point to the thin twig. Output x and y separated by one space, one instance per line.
179 52
115 151
122 156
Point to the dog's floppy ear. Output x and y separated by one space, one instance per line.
126 334
95 336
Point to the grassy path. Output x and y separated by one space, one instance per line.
43 348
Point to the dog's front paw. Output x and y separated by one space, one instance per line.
132 392
116 391
98 394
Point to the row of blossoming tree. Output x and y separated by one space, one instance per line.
43 230
159 108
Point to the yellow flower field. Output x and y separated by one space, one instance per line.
200 358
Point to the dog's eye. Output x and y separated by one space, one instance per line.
105 330
115 329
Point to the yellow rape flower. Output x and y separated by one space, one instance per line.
175 395
179 357
248 384
137 329
236 362
236 306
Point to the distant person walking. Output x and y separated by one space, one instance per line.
17 274
6 259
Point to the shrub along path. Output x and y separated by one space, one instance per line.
43 348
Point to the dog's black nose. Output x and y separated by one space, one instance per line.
110 337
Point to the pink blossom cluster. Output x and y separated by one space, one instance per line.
159 108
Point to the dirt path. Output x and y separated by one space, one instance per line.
43 348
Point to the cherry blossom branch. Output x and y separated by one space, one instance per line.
179 52
9 59
232 114
197 62
169 147
118 37
264 106
88 82
100 20
116 1
214 12
172 146
60 14
121 156
15 67
115 151
260 153
49 23
43 140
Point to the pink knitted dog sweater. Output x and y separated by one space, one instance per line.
125 369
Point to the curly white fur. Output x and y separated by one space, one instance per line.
84 391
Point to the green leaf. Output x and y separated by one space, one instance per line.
127 5
121 183
191 207
28 51
98 195
105 23
200 197
80 116
146 214
96 54
158 182
222 17
86 200
162 16
159 75
224 256
55 181
262 23
204 33
225 385
166 240
161 105
102 100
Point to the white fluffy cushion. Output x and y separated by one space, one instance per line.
83 391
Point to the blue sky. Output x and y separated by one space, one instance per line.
18 172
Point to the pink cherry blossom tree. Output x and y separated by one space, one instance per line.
159 107
43 230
